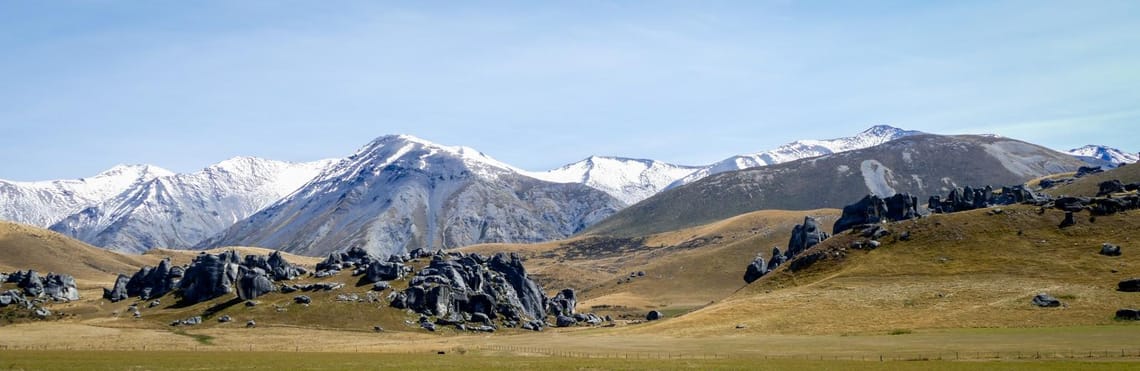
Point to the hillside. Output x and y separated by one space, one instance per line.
922 165
1089 185
684 269
26 247
962 270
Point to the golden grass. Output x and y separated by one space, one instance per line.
1089 185
26 247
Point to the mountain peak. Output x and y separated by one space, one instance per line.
135 171
1105 153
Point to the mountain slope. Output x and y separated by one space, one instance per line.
44 203
922 165
179 211
1103 153
628 180
400 193
801 149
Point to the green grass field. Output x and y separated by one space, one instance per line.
85 360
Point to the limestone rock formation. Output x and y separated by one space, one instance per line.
254 282
756 270
210 276
60 287
1108 249
117 292
872 209
455 286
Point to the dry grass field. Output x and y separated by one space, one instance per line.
1089 185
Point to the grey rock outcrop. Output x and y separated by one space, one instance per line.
564 321
1110 187
117 292
564 303
1046 301
152 282
804 236
32 283
755 270
1108 249
353 257
14 297
60 287
1129 285
275 265
454 285
1084 171
254 282
210 276
383 271
872 210
1128 314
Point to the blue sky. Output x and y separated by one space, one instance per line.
85 85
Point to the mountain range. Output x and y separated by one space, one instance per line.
396 193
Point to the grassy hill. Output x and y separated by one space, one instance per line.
26 247
922 165
963 270
684 269
1089 185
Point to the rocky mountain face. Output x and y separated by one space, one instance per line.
800 149
44 203
400 193
628 180
179 211
1104 155
922 165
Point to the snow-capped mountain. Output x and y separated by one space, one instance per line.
179 211
628 180
400 193
1103 153
44 203
800 149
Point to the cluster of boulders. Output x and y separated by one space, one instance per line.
457 288
1096 206
873 209
209 276
965 199
53 286
804 236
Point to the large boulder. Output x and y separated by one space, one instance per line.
530 297
1128 314
1110 187
1088 170
32 284
804 236
778 259
254 282
654 315
210 276
60 287
383 271
13 297
1129 285
152 282
1071 204
564 303
118 291
1046 301
281 269
755 270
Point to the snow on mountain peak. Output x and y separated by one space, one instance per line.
626 179
1105 153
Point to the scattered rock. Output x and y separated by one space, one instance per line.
564 321
302 299
251 303
563 303
250 324
1108 249
653 316
225 319
1046 301
1088 170
154 303
42 313
381 286
192 321
377 329
1129 285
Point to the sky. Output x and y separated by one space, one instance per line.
86 85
